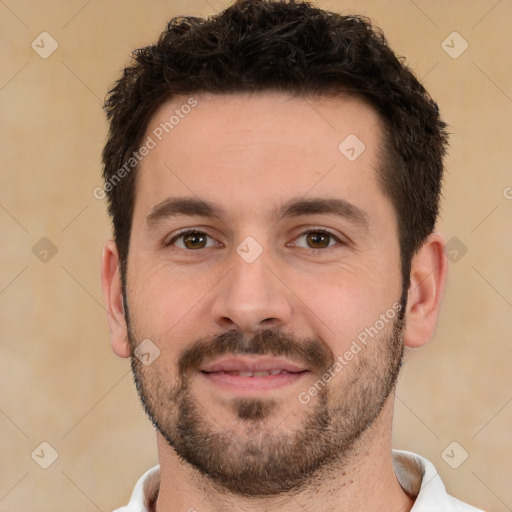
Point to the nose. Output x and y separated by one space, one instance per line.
251 297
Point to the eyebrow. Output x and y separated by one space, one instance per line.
321 206
188 206
195 207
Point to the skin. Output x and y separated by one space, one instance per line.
264 150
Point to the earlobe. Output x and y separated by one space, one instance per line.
113 296
429 268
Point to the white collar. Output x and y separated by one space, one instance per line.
415 474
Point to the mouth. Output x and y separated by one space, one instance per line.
252 374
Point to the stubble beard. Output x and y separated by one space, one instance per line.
258 459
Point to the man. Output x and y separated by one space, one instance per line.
273 175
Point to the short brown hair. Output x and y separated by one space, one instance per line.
289 46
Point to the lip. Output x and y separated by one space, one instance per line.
251 364
224 373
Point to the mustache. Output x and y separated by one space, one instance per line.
308 351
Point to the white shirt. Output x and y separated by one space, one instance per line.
416 475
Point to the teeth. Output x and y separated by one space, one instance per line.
264 373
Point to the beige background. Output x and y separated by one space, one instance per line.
60 382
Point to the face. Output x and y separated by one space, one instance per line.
264 265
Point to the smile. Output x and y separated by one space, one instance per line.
263 373
248 375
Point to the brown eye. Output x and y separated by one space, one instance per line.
192 240
318 240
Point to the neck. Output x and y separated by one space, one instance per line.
363 481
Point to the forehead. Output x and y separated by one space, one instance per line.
236 149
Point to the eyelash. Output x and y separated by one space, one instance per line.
309 231
323 232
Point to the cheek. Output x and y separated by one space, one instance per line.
345 301
159 294
170 308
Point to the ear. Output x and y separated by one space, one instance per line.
112 293
429 268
